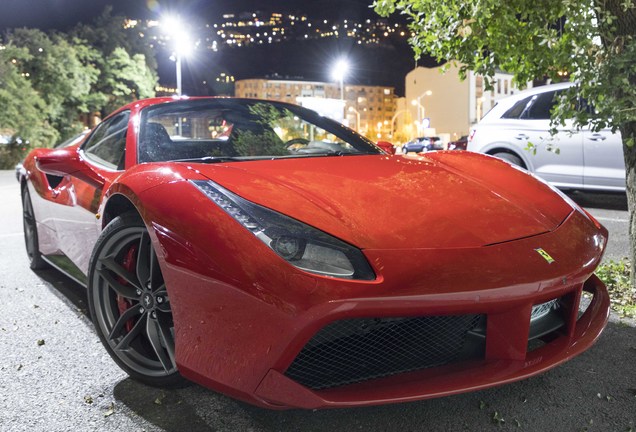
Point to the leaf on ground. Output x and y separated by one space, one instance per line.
497 418
40 342
88 399
482 405
110 411
160 398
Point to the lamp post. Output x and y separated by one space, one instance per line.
393 120
421 111
353 110
181 44
339 71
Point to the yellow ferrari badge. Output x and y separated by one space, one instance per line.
546 256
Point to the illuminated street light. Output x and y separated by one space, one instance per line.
421 111
182 44
339 71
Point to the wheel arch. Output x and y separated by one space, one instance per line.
504 149
117 205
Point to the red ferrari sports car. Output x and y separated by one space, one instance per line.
274 255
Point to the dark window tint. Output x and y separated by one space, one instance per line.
541 106
536 107
107 144
517 109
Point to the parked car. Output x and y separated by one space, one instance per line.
517 130
423 144
459 144
75 139
251 246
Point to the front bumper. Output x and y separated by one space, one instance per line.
495 369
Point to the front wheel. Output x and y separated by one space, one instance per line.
129 303
509 157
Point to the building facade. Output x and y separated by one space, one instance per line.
367 109
439 103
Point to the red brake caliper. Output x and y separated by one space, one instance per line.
123 304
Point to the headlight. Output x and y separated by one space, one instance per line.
301 245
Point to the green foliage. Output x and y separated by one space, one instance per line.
108 33
125 79
23 119
51 83
616 276
62 73
593 41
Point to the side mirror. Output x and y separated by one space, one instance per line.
67 161
387 147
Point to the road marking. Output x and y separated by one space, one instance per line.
606 219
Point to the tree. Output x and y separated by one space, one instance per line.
126 61
593 41
109 32
125 79
23 118
61 71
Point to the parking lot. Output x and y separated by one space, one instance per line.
56 376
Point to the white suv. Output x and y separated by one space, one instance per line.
517 130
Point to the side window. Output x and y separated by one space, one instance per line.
107 145
517 109
536 107
541 106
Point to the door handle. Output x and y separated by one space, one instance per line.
597 137
521 136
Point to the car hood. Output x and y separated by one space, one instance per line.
442 200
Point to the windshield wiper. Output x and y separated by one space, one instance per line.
210 159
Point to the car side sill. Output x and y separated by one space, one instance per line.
66 266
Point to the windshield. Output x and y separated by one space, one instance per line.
236 129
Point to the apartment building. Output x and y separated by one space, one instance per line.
439 103
368 109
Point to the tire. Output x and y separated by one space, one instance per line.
36 262
509 157
129 303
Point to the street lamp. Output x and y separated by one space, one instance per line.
353 110
393 120
421 111
339 71
182 44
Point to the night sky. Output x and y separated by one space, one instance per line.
306 61
64 14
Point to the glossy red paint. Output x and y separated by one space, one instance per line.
448 233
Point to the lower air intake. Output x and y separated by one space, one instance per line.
356 350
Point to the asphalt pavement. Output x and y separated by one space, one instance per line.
56 376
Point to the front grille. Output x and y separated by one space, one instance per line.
541 310
356 350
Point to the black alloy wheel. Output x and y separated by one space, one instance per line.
129 303
31 233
